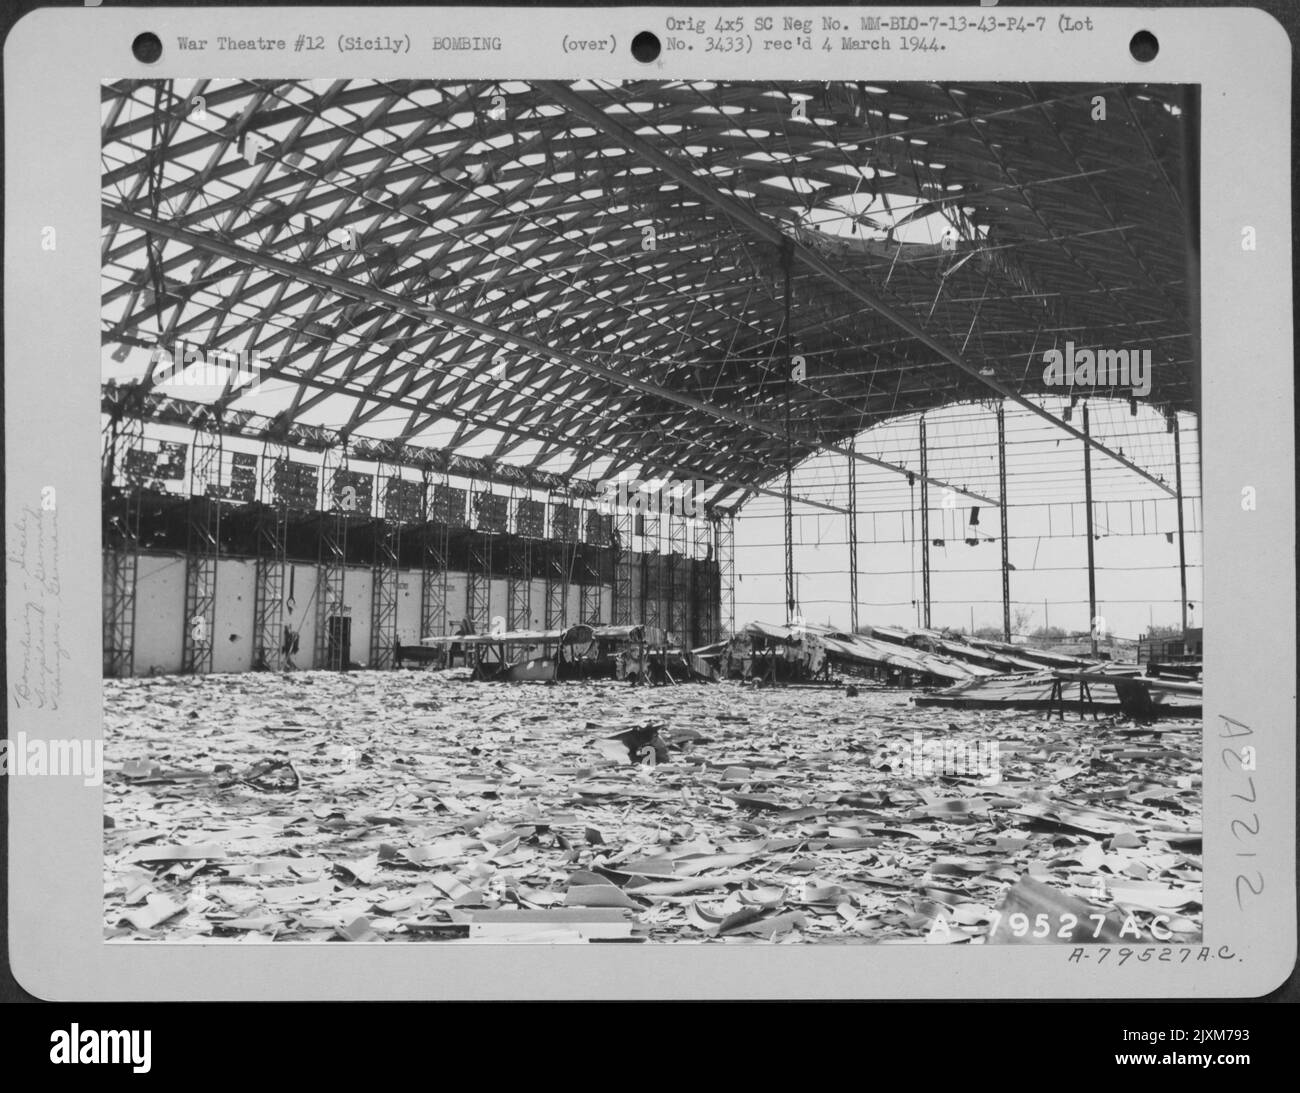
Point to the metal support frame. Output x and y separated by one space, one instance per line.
703 603
557 589
561 554
668 575
271 567
853 539
478 581
591 594
1056 700
787 524
1006 543
652 568
202 551
724 535
1178 500
681 589
590 591
519 587
1087 500
384 577
435 541
925 533
623 566
791 595
121 548
331 574
478 577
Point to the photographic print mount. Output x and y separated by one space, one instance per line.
608 308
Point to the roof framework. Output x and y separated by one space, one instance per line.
596 278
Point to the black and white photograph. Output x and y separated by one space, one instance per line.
651 511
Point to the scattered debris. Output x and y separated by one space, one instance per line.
643 741
268 775
403 807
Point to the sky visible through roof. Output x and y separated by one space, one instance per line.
483 249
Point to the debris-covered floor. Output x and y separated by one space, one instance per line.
416 806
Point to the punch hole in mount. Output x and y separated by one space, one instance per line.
147 47
646 47
1144 46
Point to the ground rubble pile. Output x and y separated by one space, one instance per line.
418 806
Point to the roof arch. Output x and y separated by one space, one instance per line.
598 277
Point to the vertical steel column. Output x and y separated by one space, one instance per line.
701 560
624 615
383 587
519 584
791 599
478 575
110 441
680 612
1087 500
1002 497
331 572
568 561
435 542
121 545
724 533
668 573
202 550
590 595
925 531
652 560
1182 546
853 535
558 563
272 562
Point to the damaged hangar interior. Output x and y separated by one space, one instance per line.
650 510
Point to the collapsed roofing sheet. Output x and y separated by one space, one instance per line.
993 654
855 649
